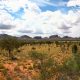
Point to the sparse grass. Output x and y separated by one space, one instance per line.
53 60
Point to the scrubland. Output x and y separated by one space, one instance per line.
58 60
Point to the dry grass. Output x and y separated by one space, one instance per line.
22 69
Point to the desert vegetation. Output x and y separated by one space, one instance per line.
39 60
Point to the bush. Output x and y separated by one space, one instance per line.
46 65
70 65
35 55
74 49
9 44
70 69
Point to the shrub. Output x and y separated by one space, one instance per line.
35 55
46 65
33 48
74 49
57 43
9 44
70 69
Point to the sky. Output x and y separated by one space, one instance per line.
40 17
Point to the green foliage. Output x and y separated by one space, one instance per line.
74 49
70 65
77 59
9 44
47 69
70 69
35 55
46 65
57 42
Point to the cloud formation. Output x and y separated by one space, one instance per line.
25 31
5 27
33 21
73 3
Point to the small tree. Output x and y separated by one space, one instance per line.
9 44
74 49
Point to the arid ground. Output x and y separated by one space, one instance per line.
58 60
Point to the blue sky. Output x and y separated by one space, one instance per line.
55 6
40 17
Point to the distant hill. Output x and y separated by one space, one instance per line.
5 36
28 38
37 37
25 37
54 37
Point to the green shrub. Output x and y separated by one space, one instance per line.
46 65
74 49
9 44
71 65
69 69
35 55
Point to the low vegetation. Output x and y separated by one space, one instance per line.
39 60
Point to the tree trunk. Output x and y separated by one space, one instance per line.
10 54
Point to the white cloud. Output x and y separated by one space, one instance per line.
33 7
50 22
13 5
73 19
40 23
6 18
73 3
